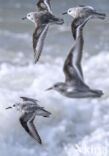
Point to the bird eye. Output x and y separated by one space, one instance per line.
28 15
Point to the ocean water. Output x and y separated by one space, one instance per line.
77 127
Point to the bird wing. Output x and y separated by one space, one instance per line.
38 40
34 132
27 118
48 6
70 71
41 6
23 121
28 99
73 72
75 23
72 66
86 6
44 5
73 27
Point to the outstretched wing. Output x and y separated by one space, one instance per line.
72 66
41 6
48 6
71 70
75 23
25 119
79 44
38 40
78 22
34 132
28 99
86 6
44 5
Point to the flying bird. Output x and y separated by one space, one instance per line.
80 13
74 85
30 109
42 19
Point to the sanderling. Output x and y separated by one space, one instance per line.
42 19
80 13
74 85
30 109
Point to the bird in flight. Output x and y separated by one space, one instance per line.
42 19
29 110
80 13
74 85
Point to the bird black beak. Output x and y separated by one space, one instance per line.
64 13
49 89
24 18
8 108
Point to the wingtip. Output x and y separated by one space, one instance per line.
36 60
100 93
40 142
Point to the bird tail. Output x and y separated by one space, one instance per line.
55 20
59 21
42 112
97 93
46 113
99 15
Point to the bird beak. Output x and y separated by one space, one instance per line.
64 13
8 108
24 18
49 89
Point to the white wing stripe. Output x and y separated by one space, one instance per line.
39 41
75 66
48 7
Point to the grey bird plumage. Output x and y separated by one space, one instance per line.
30 109
42 19
80 13
74 85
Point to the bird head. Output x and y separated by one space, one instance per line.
57 87
30 16
71 12
10 107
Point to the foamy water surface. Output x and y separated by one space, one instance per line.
75 124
